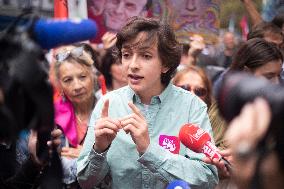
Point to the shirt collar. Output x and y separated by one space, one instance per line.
156 99
166 92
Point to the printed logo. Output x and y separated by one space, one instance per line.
198 134
170 143
211 151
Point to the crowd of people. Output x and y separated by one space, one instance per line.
119 107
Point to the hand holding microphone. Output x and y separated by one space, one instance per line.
199 141
223 171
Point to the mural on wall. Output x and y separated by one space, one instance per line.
187 17
190 17
111 15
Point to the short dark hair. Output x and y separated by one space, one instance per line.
263 29
278 20
169 49
148 5
255 53
108 60
185 48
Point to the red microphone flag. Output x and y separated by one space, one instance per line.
198 140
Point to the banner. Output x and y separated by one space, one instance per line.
60 9
77 9
187 17
112 15
190 17
244 27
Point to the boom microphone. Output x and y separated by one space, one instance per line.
53 33
199 141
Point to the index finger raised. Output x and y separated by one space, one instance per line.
135 109
105 109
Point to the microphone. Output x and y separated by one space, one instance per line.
178 184
52 33
198 140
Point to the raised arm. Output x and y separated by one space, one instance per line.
92 163
252 11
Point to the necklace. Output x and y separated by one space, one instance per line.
79 119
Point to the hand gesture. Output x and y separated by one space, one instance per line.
249 127
33 139
243 134
105 130
136 125
197 44
109 39
223 171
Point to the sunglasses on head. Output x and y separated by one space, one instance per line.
198 91
75 53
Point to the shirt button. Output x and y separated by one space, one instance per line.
145 185
146 177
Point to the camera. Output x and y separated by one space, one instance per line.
26 103
237 89
27 95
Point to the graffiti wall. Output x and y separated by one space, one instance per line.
186 16
189 17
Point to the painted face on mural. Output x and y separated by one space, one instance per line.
96 6
188 8
117 12
194 16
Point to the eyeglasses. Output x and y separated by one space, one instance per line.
198 91
75 53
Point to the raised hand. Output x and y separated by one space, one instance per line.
245 131
32 146
105 130
33 139
223 171
136 125
109 39
197 44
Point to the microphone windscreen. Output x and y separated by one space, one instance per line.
178 184
193 137
53 33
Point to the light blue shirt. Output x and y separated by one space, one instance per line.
157 167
